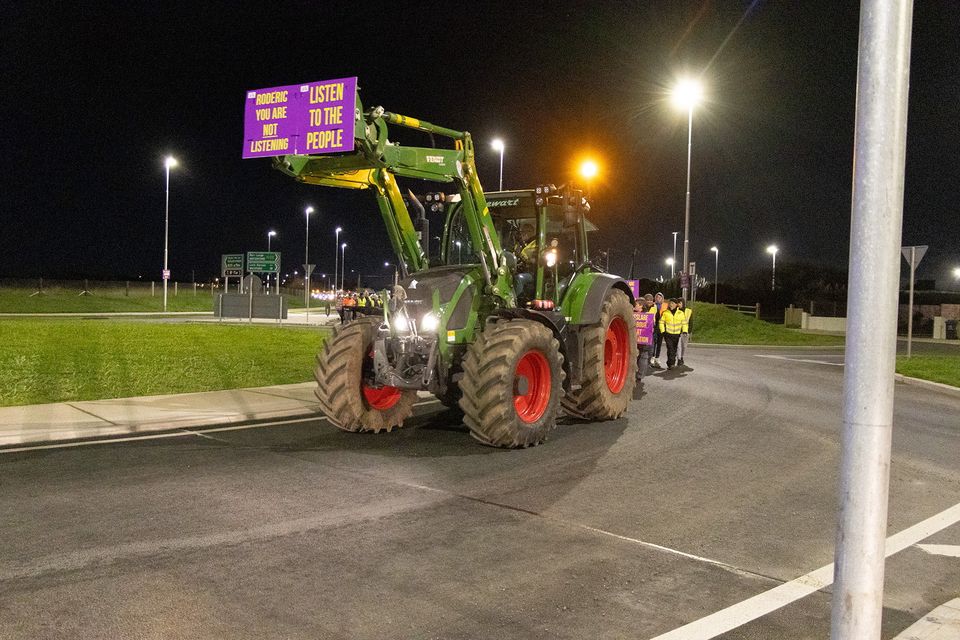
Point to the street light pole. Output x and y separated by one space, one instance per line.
675 245
716 271
687 94
671 262
499 146
343 265
270 235
772 250
169 162
306 268
336 254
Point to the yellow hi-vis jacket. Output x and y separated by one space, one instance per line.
673 321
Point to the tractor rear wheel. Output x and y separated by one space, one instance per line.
344 368
609 363
512 383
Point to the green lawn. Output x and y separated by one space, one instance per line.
110 300
54 360
945 369
716 324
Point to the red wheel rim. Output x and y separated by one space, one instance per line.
534 369
616 354
381 398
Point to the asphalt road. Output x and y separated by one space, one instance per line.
719 486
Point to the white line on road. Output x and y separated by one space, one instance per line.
792 359
176 434
760 605
951 550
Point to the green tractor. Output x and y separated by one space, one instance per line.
507 320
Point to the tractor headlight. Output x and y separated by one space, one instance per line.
551 257
430 323
399 323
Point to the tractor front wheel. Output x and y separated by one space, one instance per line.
512 383
344 368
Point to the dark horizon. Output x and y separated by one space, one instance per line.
104 94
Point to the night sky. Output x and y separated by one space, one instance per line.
95 96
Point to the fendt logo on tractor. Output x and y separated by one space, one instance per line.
530 326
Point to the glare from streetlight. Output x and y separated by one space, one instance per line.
956 273
169 162
669 262
497 144
309 210
343 246
687 94
772 249
271 233
714 249
589 169
338 229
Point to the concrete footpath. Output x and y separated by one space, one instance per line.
130 416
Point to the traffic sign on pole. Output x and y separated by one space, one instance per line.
231 264
913 256
166 274
309 269
263 261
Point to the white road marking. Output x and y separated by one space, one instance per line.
793 359
176 434
943 623
951 550
761 604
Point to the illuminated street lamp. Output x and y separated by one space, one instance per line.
716 271
498 145
671 262
956 273
336 255
772 250
270 235
686 95
168 163
589 170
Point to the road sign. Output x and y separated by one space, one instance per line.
693 268
684 281
231 264
309 268
166 274
914 253
263 261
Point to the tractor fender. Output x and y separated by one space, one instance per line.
586 294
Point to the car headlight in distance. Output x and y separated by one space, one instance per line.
430 323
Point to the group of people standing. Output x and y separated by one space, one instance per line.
672 321
352 304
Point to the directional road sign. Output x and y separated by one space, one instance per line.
231 264
263 261
915 253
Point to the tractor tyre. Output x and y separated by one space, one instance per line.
512 383
609 363
344 365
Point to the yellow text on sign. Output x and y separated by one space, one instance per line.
319 140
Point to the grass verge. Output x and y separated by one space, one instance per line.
54 360
716 324
110 300
944 369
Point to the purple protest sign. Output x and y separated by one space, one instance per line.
315 117
269 122
326 116
643 324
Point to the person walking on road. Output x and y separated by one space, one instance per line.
672 324
685 336
645 316
661 306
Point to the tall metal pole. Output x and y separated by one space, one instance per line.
336 254
716 274
773 273
166 235
501 167
876 226
306 269
913 273
674 250
686 216
343 266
